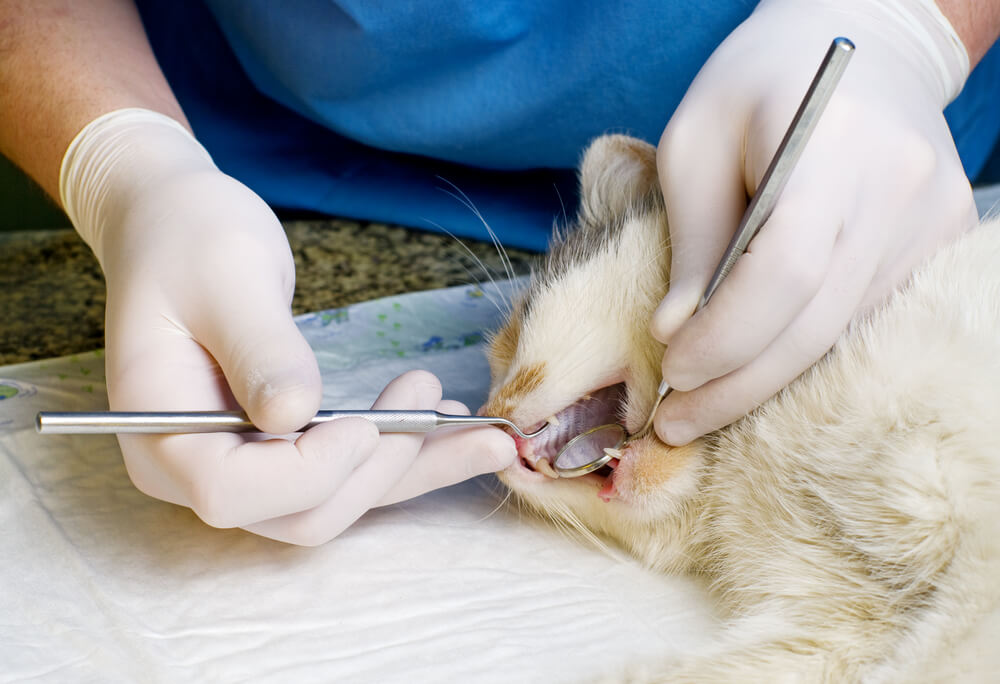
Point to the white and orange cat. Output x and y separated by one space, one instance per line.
849 529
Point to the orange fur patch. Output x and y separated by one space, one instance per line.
525 381
502 346
656 464
641 151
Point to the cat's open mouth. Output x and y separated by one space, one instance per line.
600 407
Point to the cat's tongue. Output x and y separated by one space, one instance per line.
598 408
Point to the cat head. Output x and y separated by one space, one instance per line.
577 350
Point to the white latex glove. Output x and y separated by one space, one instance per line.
199 278
878 189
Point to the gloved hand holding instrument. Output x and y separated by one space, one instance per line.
879 188
200 278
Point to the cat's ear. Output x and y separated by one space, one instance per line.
618 175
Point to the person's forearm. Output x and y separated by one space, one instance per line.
63 63
977 23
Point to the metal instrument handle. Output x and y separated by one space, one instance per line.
787 155
174 422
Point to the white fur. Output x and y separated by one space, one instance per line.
850 527
594 356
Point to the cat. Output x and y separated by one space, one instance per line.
849 528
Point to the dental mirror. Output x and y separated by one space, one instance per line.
586 453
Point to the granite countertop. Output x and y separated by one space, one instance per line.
52 291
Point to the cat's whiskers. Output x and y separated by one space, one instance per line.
505 307
496 491
464 200
561 203
567 522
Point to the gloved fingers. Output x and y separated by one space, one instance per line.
701 176
231 294
228 479
270 368
168 371
777 277
234 300
231 482
883 130
248 328
453 455
155 363
684 416
942 212
368 483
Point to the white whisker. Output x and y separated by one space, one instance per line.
561 203
504 259
467 203
503 502
505 308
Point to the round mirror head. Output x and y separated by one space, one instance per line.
585 453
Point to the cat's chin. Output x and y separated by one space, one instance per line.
655 478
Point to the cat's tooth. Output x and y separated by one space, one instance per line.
543 466
553 421
613 453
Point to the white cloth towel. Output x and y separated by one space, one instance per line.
99 583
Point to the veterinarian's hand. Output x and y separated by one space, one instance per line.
878 189
199 279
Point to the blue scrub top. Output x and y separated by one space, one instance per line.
383 112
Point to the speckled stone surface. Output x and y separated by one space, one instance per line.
52 291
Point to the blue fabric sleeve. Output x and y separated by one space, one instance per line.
974 116
401 105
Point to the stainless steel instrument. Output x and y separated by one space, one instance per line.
124 422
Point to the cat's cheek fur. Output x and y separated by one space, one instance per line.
655 480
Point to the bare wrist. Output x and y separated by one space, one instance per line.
977 23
